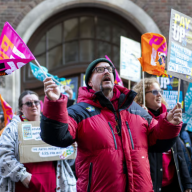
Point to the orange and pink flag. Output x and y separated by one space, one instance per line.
154 53
7 110
14 53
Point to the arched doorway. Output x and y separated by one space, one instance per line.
67 42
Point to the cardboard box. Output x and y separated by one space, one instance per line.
33 149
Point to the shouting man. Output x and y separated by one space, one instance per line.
112 131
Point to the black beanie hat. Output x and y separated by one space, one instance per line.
92 65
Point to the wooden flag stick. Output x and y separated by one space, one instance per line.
40 68
179 83
143 89
45 73
129 84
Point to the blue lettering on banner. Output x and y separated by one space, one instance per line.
180 59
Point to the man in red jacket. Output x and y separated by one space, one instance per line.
113 132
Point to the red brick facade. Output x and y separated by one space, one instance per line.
14 11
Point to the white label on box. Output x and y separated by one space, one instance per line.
63 153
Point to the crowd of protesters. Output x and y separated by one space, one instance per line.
122 144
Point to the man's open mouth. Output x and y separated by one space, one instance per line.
106 79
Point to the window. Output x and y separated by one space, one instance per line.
76 37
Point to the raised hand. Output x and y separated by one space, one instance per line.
51 89
175 115
68 90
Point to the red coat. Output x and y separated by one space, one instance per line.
105 159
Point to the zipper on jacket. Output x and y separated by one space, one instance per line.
176 168
132 144
113 135
90 174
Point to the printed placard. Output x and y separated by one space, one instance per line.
33 149
130 67
169 85
179 59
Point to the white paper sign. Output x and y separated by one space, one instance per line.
130 67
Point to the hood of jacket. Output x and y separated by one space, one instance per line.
163 109
97 99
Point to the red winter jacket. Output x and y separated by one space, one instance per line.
107 161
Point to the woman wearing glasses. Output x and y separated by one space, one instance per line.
29 177
168 169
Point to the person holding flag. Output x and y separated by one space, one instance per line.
111 130
168 168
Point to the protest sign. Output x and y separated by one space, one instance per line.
73 84
169 85
13 52
179 59
130 67
33 149
83 80
187 116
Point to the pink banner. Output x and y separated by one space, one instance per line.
118 80
13 52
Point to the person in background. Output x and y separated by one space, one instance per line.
30 177
2 123
169 170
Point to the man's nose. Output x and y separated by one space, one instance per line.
106 70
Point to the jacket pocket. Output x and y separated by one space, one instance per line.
130 135
89 178
113 135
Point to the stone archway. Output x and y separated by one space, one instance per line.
127 9
46 9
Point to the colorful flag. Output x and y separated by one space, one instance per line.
154 53
37 72
41 105
118 80
7 110
13 52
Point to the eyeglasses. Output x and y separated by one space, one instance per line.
102 69
30 103
155 92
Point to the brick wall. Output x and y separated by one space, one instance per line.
14 11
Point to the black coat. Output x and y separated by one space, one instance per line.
183 177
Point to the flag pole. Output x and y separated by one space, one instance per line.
179 83
143 89
40 68
129 84
45 73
